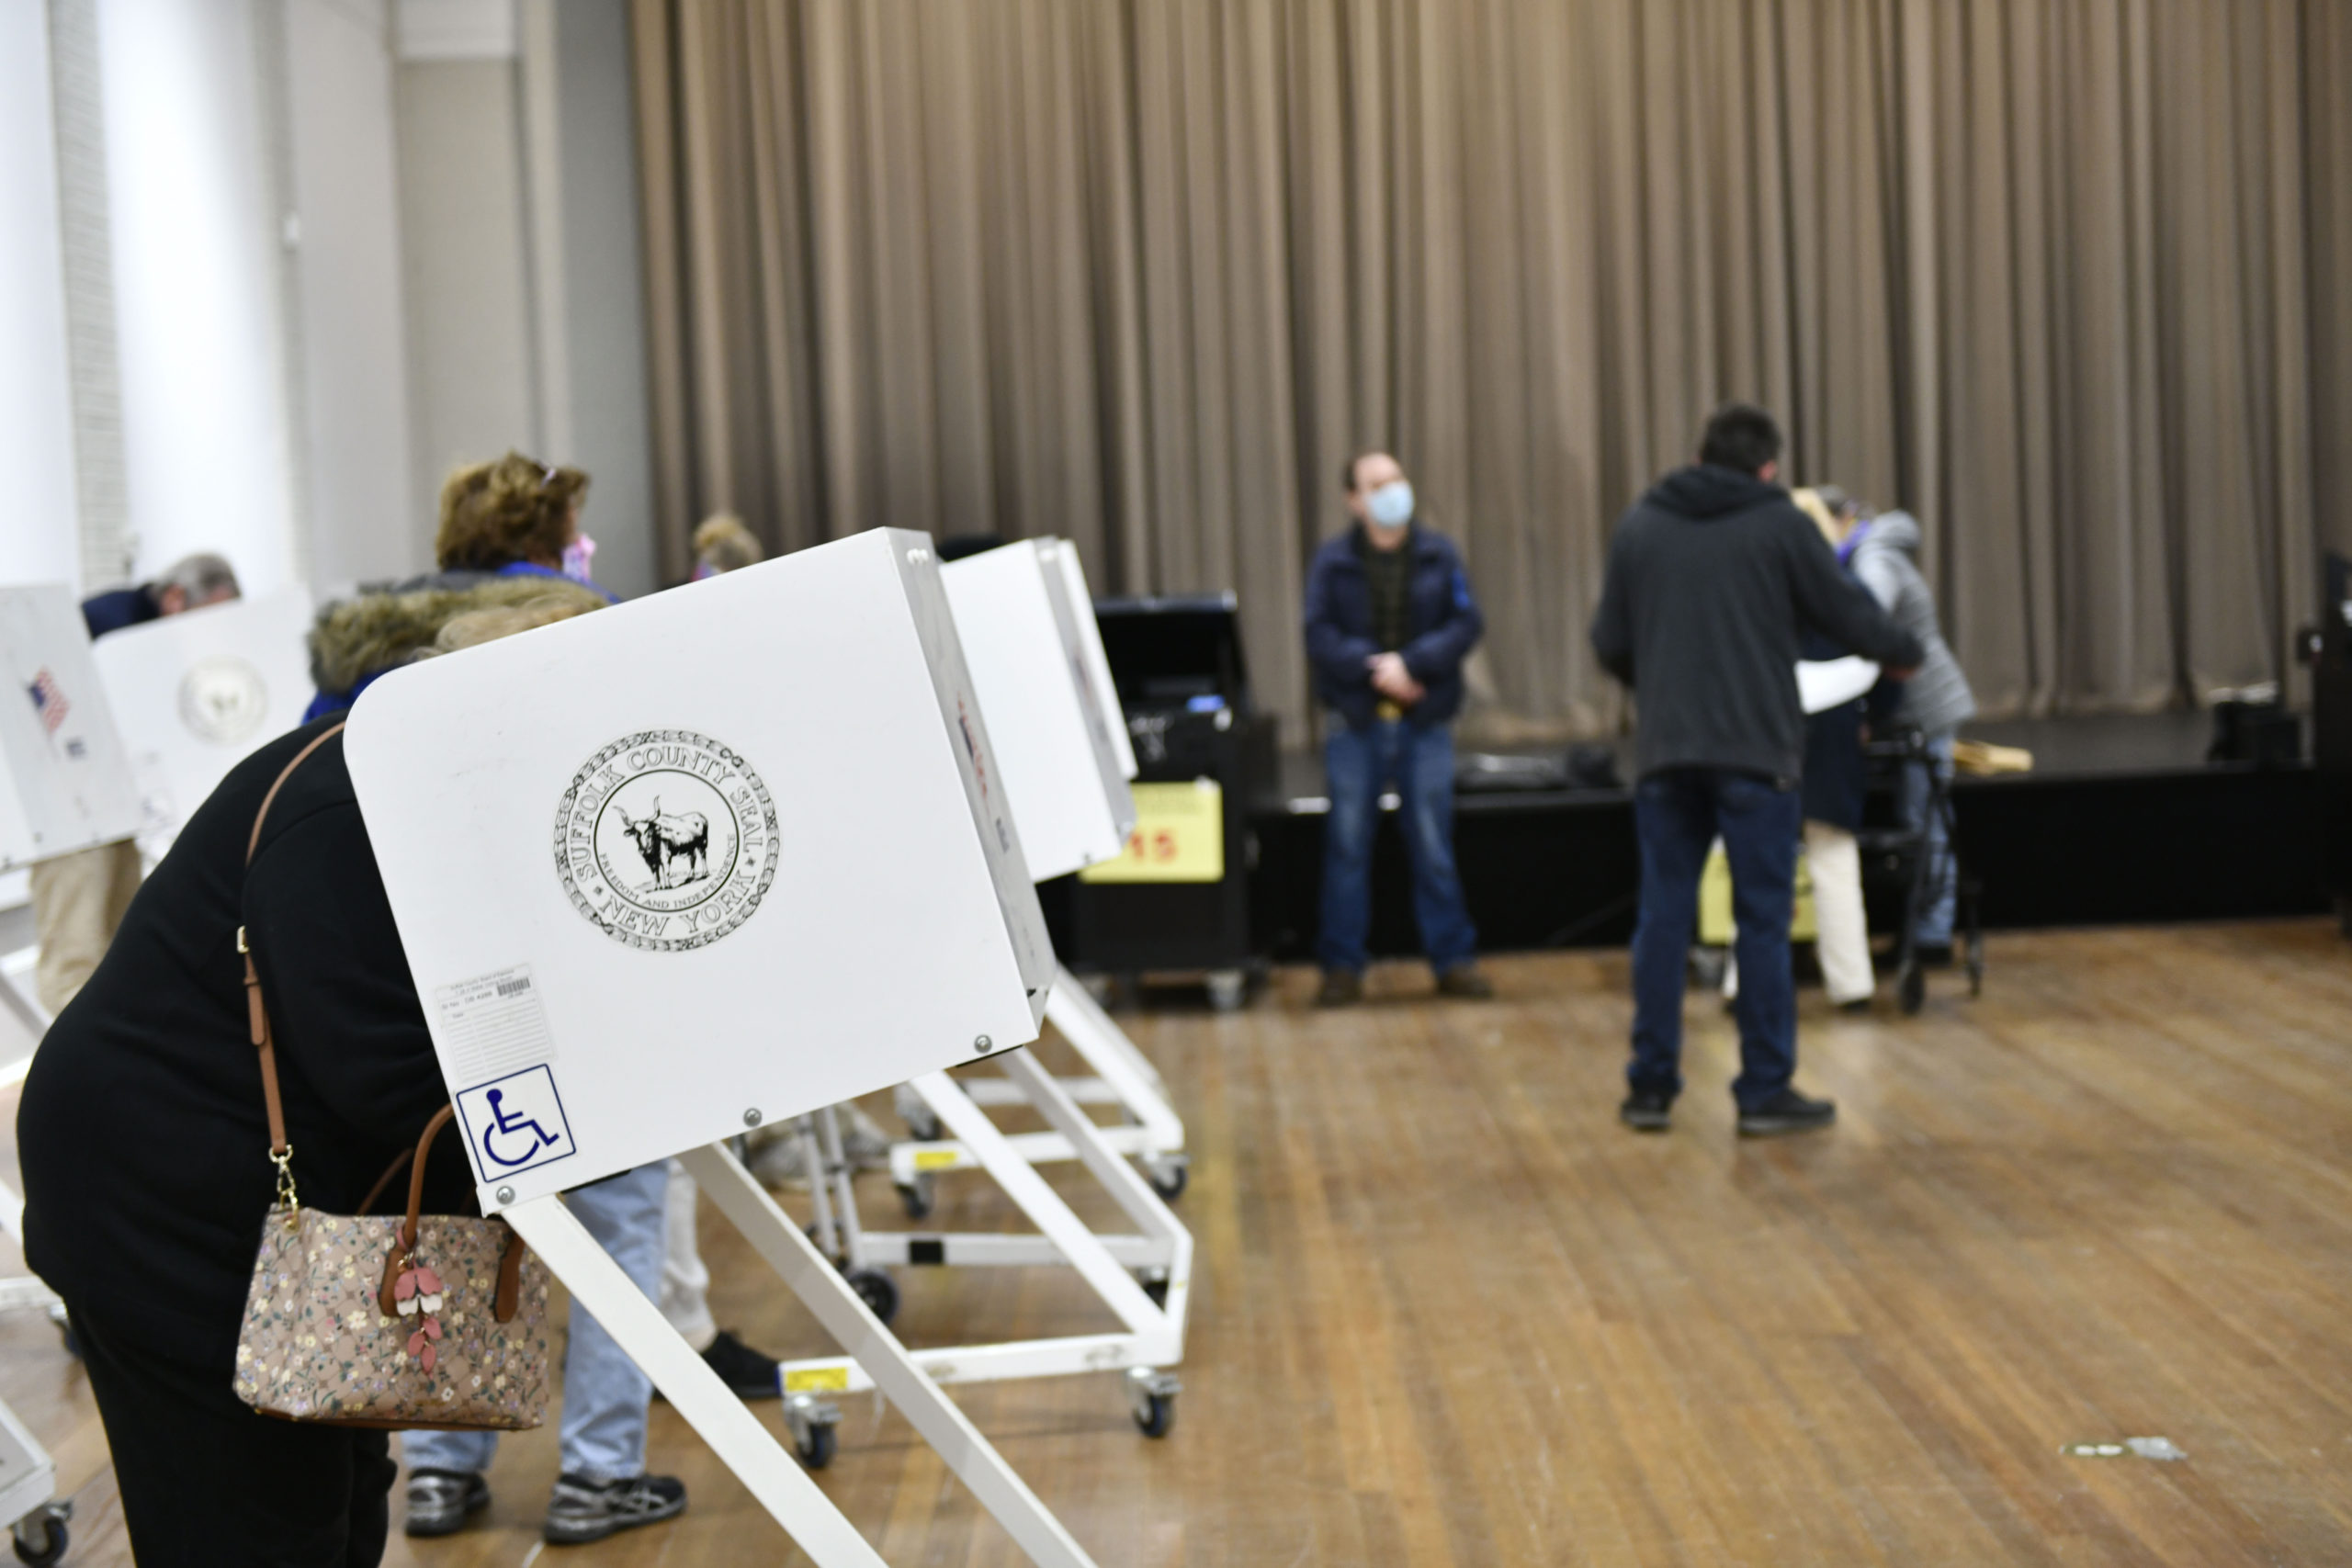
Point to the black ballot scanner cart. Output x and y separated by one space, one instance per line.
1177 903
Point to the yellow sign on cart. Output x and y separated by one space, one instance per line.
1179 836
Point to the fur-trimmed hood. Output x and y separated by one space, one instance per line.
373 632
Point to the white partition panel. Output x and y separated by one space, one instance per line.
1071 801
195 694
731 851
1064 555
65 783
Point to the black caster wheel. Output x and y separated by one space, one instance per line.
916 1197
1914 988
816 1449
877 1290
1155 1415
41 1541
1158 1291
1170 1187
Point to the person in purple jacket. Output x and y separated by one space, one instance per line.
1389 619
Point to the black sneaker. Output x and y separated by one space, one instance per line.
1647 1110
1787 1111
746 1372
1465 981
1341 988
440 1501
583 1510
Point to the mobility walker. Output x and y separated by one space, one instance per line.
1901 857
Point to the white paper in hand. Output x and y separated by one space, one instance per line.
1824 683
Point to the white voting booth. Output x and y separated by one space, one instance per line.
1051 737
195 694
675 868
1005 600
67 783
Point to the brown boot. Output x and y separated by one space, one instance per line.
1341 988
1464 980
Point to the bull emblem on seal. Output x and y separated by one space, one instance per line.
676 849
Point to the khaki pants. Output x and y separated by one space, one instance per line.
1842 941
78 899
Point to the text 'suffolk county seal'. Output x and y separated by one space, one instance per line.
666 840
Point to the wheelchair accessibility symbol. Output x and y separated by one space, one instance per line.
515 1124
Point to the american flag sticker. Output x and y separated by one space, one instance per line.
49 701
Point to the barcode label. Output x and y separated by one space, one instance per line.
492 1025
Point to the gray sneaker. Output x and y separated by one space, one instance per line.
777 1162
864 1143
440 1501
582 1510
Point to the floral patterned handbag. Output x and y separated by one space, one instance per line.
414 1321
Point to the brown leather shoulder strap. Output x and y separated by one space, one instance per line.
256 1012
321 739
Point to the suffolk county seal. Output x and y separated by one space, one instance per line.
665 841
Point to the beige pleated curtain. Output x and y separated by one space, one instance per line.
2066 277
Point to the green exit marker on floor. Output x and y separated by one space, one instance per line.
2143 1448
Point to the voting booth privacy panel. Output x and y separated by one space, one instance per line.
1021 637
719 855
1064 555
194 693
66 783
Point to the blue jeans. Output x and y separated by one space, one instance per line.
1420 759
604 1396
1678 812
1912 793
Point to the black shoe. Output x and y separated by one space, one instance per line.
1934 954
1464 980
583 1510
1340 986
1647 1110
1787 1111
440 1501
1859 1004
746 1372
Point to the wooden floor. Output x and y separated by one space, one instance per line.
1447 1312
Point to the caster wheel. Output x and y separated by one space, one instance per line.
916 1197
877 1290
40 1540
1170 1183
1156 1414
816 1449
1913 989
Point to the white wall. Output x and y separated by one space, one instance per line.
362 505
37 517
195 244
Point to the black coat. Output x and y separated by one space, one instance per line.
141 1131
1441 625
1713 578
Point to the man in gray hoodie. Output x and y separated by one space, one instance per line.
1884 553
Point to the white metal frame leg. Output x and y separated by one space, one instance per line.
904 1382
1124 1078
734 1434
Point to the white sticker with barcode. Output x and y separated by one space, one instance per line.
494 1024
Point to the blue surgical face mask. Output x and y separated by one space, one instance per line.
1391 505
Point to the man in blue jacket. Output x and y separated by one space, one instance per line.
1389 618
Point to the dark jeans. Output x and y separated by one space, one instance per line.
207 1480
1678 812
1358 762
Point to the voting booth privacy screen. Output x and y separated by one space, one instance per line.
1064 555
729 852
65 783
1045 716
195 694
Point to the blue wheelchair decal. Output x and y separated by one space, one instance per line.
516 1123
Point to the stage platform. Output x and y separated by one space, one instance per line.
2121 820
